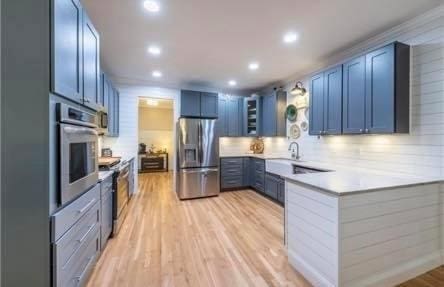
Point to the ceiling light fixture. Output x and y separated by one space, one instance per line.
157 74
151 6
151 102
290 37
154 50
232 83
253 66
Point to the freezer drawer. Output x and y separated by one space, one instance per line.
198 182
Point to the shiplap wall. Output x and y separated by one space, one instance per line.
126 145
422 151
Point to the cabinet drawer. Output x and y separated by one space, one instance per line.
259 165
234 161
79 266
259 185
65 218
106 186
106 220
232 181
70 242
229 171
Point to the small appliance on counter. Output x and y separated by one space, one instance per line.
107 152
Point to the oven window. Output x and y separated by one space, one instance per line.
81 160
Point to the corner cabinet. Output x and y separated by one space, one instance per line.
326 102
366 95
252 114
75 54
274 122
196 104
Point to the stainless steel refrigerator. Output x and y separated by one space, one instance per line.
197 158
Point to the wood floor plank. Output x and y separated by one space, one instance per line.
235 239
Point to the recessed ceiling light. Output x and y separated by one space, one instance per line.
290 37
151 6
232 83
253 66
154 50
157 74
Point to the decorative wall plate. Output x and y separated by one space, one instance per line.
291 113
301 102
295 131
304 126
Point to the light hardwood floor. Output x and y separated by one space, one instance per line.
235 239
232 240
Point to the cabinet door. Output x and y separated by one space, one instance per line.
380 91
246 171
316 105
353 114
190 103
222 120
234 116
66 70
105 86
91 64
333 101
251 116
116 113
208 105
271 186
269 116
111 108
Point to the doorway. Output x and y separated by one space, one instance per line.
156 135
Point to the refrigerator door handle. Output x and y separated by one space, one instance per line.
200 134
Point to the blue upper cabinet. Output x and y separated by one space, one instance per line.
221 123
67 64
333 101
252 112
369 94
196 104
190 104
317 105
353 117
234 116
208 105
273 118
91 64
387 89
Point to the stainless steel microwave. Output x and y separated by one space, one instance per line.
78 148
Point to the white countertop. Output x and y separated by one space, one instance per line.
104 175
340 180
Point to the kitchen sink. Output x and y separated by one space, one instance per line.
297 169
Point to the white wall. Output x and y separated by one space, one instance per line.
420 152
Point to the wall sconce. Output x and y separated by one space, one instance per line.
298 89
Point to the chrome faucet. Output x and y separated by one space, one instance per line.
294 155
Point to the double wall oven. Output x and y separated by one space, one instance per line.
78 157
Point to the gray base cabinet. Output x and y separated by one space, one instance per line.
106 218
76 240
243 172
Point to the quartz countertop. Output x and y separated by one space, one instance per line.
104 175
342 180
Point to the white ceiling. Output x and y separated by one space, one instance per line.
208 42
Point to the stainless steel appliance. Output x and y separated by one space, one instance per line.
78 159
102 122
198 158
121 196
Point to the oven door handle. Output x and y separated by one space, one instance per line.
80 130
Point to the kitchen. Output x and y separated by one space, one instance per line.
303 157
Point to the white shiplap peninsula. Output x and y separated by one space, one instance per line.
350 227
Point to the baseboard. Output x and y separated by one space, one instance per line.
400 273
306 270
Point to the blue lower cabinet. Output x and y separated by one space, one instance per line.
271 186
76 251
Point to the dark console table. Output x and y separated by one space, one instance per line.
153 162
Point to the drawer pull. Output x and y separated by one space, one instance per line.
87 206
78 278
80 241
